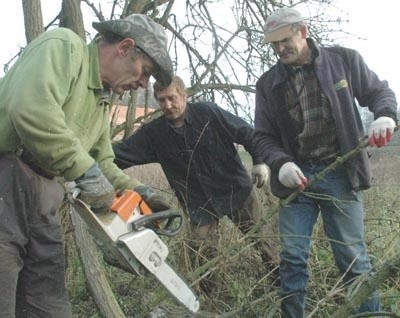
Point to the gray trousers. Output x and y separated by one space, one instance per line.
32 266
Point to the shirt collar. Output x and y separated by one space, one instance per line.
188 117
308 66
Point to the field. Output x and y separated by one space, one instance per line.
244 285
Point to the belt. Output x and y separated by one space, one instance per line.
28 160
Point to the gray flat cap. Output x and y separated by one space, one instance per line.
279 24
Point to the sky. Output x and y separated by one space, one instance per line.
379 46
374 21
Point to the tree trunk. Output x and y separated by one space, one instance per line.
95 276
131 113
134 6
71 17
33 19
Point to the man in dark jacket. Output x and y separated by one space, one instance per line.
195 146
305 117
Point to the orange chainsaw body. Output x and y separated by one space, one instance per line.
126 203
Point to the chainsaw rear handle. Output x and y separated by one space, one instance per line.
168 229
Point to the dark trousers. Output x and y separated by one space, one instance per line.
245 218
32 273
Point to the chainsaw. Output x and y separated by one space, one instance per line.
128 234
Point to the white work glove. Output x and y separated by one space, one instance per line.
381 131
290 176
259 174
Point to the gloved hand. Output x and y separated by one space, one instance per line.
291 176
259 174
155 201
96 190
381 131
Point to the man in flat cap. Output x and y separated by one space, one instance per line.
305 118
55 128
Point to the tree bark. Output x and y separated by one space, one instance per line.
135 6
71 17
33 19
94 273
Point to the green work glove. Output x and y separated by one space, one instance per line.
96 190
155 201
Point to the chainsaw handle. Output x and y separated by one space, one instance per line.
167 215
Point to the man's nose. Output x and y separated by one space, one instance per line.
279 47
143 81
167 104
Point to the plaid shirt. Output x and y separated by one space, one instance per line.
343 77
311 113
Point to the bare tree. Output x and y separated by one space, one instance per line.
220 57
225 55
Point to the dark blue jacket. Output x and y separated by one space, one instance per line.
203 167
343 77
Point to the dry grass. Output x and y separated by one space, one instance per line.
244 286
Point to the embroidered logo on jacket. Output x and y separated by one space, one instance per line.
341 84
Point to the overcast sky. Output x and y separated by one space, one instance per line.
376 25
376 22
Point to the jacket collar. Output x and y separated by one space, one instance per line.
94 67
188 116
283 71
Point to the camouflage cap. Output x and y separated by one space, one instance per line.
148 35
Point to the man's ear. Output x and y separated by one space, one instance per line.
125 46
304 31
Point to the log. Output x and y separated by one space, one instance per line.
94 273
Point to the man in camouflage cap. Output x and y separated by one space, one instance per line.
149 37
57 126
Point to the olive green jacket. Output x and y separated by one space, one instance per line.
50 107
